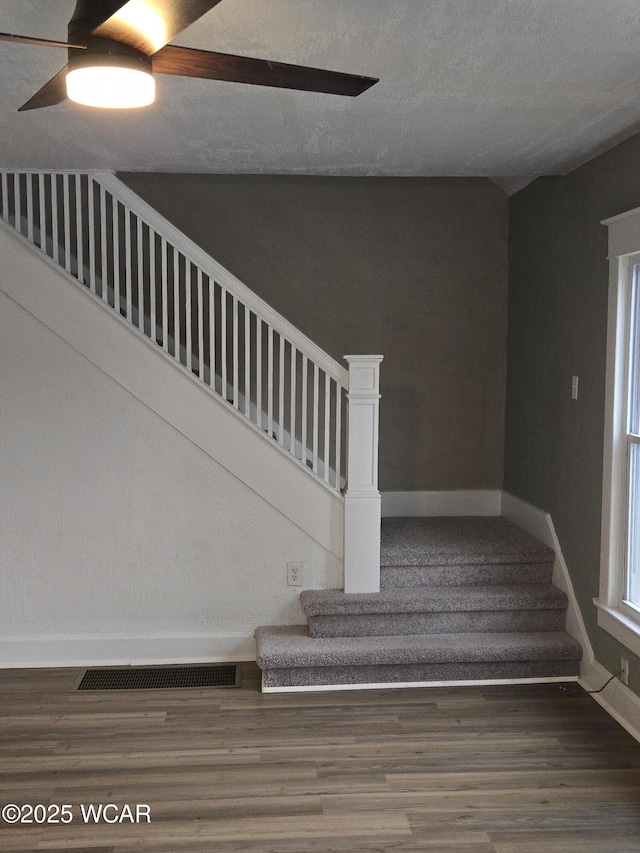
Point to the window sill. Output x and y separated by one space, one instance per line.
619 625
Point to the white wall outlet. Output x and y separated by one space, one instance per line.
624 670
294 574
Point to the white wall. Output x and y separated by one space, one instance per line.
122 540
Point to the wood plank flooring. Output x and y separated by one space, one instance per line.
529 769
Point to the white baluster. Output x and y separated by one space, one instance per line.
140 248
92 236
304 406
223 341
316 417
116 257
17 203
212 333
42 214
199 295
128 263
236 349
29 193
188 281
338 465
281 391
153 310
247 362
270 381
327 414
259 372
292 414
176 304
164 273
54 218
5 197
362 498
104 257
79 235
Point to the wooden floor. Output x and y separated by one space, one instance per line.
533 769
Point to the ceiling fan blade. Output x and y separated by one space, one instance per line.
53 92
147 25
42 42
187 62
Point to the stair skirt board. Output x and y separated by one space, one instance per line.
414 674
404 685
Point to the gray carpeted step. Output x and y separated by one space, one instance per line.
332 613
289 657
449 552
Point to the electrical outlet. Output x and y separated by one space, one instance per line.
294 574
624 670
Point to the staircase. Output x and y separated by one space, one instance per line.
462 600
194 314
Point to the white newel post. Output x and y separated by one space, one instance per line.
362 501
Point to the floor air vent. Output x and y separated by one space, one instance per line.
160 677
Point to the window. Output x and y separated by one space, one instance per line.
632 563
619 601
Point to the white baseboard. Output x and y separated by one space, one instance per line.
460 502
62 651
539 523
620 702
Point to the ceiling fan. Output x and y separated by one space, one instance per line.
116 46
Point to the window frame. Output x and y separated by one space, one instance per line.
615 615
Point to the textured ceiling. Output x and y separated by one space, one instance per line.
508 89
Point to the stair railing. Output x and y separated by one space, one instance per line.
256 362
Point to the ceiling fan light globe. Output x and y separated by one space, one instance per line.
111 87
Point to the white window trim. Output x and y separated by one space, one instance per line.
614 616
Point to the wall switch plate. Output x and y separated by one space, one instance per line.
574 387
294 574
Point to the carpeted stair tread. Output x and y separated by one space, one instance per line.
453 541
291 646
331 602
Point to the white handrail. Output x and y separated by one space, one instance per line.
216 271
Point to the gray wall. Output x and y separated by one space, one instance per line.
412 268
558 283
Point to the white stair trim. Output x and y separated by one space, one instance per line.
404 685
620 702
540 524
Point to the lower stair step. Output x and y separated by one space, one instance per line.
289 658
